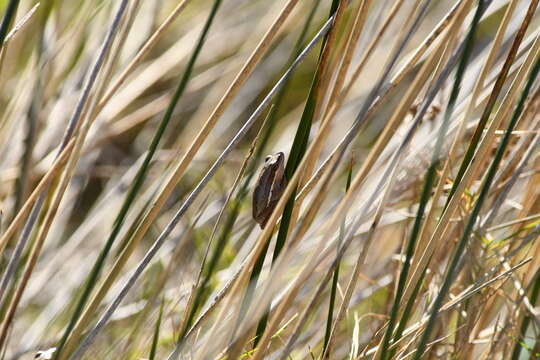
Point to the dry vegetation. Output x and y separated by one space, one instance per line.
132 134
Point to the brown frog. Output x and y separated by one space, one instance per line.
269 188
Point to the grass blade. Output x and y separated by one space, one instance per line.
9 15
155 339
335 280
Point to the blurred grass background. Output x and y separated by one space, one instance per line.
132 134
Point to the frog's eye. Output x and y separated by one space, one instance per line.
267 158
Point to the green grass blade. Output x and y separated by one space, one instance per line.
407 312
359 120
486 113
155 339
527 318
9 15
335 278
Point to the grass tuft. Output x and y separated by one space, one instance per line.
132 132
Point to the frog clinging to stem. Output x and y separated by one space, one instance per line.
269 188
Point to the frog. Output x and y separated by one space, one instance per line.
269 187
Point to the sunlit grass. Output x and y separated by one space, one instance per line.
132 133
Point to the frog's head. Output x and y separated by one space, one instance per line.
275 159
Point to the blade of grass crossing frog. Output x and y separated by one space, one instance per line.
205 273
158 243
244 188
